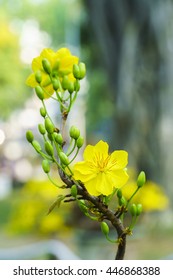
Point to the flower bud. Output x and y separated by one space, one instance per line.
70 87
65 82
138 209
133 210
40 93
48 148
77 85
49 125
50 136
82 69
82 206
56 65
74 132
46 166
141 179
43 112
36 146
119 193
74 191
58 138
76 71
64 159
46 65
55 84
41 129
38 76
29 136
122 201
79 142
104 228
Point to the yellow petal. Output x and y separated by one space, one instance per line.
83 172
118 177
102 147
31 81
90 186
37 63
118 160
104 184
88 153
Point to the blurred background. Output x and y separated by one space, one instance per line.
126 100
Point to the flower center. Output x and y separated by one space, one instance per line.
101 163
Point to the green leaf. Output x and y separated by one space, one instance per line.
56 203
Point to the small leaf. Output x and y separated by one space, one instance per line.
56 203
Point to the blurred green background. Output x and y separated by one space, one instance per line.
126 100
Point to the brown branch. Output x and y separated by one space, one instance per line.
107 213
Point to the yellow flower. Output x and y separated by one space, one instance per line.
102 172
61 63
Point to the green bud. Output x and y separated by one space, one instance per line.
50 136
82 206
133 210
40 93
141 179
119 193
36 146
104 228
43 112
64 159
38 76
77 85
46 82
74 132
122 201
65 82
70 87
82 69
58 138
56 64
49 125
29 136
76 71
74 191
46 166
55 84
48 148
46 65
41 129
138 209
79 142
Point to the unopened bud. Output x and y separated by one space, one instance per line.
38 76
141 179
70 87
43 112
64 159
65 82
55 84
77 85
46 166
82 69
74 191
36 146
58 138
138 209
49 125
119 193
29 136
122 201
133 210
82 206
46 65
48 148
41 129
105 228
40 93
76 71
79 142
74 132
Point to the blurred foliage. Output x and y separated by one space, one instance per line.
29 207
11 71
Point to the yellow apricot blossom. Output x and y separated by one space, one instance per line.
61 63
100 171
